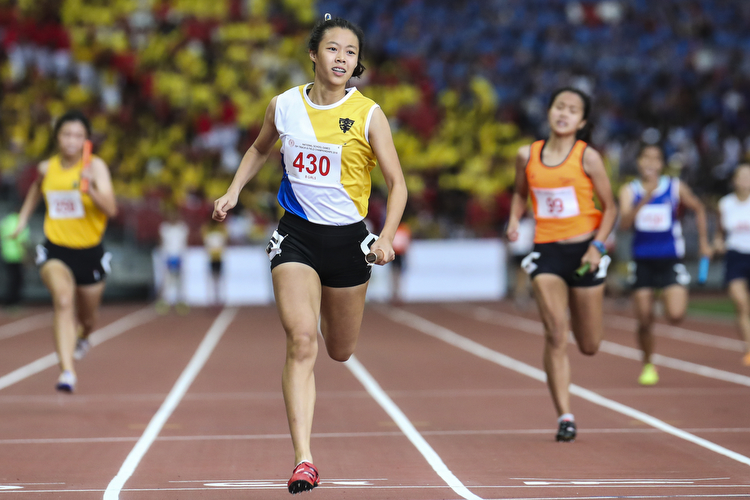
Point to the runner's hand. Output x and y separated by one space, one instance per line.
384 250
512 231
223 205
593 257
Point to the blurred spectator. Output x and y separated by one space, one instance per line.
173 234
215 241
13 253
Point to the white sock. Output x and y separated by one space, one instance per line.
303 461
566 416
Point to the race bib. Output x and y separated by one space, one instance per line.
556 203
313 162
654 218
64 204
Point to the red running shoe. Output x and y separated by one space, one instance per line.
304 478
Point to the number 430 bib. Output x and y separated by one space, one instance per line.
313 162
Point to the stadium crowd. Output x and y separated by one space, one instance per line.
176 90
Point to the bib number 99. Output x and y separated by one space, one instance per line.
555 205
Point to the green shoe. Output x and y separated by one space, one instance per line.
649 375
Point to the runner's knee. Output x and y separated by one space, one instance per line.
303 345
674 318
589 347
62 300
338 353
557 335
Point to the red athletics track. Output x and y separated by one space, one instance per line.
483 420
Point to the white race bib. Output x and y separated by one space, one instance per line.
65 204
313 162
655 218
556 203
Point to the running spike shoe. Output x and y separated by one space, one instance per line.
566 433
304 478
649 375
66 382
82 348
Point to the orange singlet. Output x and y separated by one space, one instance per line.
562 196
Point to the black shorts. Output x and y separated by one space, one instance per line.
215 267
332 251
89 265
736 266
563 259
398 262
657 273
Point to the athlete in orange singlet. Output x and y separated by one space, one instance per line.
569 261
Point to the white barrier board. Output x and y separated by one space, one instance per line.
434 270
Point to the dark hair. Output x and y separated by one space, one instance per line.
337 22
644 145
585 133
72 116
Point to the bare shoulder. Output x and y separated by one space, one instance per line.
524 153
43 167
592 157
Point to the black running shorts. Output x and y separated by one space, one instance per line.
89 265
332 251
562 259
657 273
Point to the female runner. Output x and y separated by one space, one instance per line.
649 205
569 261
331 136
733 237
72 263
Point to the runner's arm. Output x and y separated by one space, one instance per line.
100 187
251 163
688 198
594 168
519 200
382 145
33 196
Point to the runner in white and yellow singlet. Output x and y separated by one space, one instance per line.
331 137
72 261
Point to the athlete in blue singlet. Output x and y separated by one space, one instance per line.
650 205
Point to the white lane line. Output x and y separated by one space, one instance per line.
379 395
537 328
206 347
112 330
361 435
25 325
679 333
468 345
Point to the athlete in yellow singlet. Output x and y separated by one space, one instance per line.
72 262
331 136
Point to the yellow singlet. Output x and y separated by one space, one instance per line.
72 219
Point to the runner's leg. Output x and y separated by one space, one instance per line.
643 299
297 291
675 303
551 294
341 318
58 278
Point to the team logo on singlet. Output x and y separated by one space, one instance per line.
345 124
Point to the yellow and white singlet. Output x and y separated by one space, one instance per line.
326 155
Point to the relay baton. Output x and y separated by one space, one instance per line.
370 257
582 270
703 270
84 185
